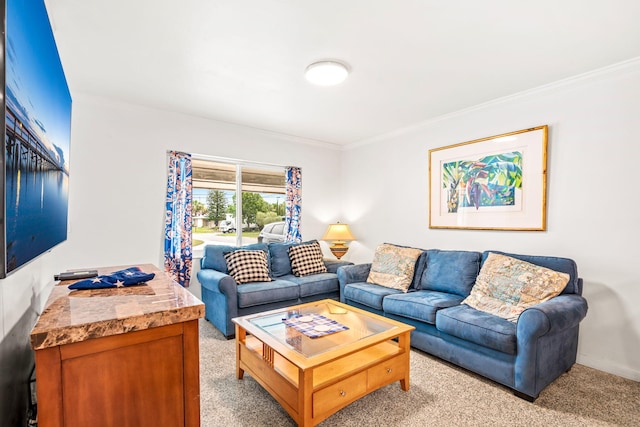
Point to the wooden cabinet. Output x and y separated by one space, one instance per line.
119 357
143 378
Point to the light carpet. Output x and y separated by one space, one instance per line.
441 394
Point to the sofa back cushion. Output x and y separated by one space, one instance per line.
563 265
214 255
453 272
280 261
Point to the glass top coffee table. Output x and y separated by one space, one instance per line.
316 358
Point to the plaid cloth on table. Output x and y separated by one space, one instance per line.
308 328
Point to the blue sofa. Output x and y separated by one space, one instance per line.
224 299
525 356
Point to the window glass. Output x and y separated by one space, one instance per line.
260 187
221 215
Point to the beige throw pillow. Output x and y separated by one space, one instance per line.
393 266
507 286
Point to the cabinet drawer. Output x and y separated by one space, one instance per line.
340 394
387 372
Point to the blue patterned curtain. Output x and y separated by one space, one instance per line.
177 231
294 204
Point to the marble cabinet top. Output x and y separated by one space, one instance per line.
73 316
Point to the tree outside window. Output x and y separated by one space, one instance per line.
216 206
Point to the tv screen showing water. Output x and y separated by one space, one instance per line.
37 136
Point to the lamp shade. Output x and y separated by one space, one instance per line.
338 232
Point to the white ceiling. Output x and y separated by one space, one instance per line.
242 61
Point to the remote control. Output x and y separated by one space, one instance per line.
74 275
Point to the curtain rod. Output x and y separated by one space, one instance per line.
231 160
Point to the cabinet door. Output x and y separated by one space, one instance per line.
135 385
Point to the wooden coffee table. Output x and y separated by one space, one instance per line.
313 378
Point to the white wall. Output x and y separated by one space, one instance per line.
116 205
118 177
593 200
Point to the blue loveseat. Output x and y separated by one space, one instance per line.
224 299
525 356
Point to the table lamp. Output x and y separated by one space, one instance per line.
338 234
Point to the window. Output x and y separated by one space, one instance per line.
233 201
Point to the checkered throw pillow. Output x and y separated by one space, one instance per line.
247 266
306 259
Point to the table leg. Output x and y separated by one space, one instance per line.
305 392
241 337
404 344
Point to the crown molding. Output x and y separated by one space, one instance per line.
631 65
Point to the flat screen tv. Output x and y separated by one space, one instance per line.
37 128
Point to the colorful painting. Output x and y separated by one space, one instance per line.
489 181
494 183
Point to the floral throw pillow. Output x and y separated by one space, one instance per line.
507 286
393 266
247 266
306 259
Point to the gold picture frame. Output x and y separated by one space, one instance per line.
493 183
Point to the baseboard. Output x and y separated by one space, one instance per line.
607 366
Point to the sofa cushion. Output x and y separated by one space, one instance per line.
393 266
214 255
316 284
420 305
279 254
259 293
306 259
248 266
451 271
507 286
563 265
478 327
368 294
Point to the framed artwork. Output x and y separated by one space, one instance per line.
494 183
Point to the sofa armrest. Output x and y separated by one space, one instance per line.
216 281
547 342
352 274
333 265
220 297
556 315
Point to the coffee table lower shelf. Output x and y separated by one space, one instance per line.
314 392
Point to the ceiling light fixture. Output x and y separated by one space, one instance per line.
326 73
